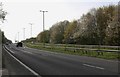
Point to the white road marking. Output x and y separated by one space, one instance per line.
9 50
100 68
88 65
94 66
23 64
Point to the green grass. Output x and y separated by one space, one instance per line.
106 55
77 46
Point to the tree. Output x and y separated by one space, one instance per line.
43 37
113 29
89 35
86 29
99 26
30 40
69 31
57 32
2 13
3 39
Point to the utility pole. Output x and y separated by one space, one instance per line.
18 36
43 26
23 33
15 38
31 29
43 19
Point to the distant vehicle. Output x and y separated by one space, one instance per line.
19 44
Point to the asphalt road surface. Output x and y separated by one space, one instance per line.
51 63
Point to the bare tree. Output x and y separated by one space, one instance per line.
2 13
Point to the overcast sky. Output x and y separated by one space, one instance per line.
23 12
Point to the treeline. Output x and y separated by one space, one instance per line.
3 39
98 26
3 13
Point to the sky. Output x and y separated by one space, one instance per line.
23 12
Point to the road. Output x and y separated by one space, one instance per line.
51 63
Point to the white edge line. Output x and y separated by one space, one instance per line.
23 64
9 49
93 66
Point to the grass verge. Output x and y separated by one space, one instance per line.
104 55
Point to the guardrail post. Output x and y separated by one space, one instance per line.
89 52
65 48
83 51
86 51
74 50
98 52
102 52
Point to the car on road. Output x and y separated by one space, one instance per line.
19 44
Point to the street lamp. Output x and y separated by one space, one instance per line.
18 36
15 38
43 25
23 33
43 19
31 28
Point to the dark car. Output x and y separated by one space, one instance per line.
19 44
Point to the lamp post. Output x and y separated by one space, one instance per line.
18 36
23 33
31 29
43 26
15 38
